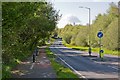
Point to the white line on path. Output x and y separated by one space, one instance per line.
32 65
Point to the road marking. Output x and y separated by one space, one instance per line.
72 68
32 66
114 67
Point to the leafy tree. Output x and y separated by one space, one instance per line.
110 39
82 37
25 25
67 38
79 35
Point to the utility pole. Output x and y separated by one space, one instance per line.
89 50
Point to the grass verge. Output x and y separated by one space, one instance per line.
96 50
61 71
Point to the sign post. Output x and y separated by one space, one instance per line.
100 35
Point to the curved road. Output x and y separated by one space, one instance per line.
85 66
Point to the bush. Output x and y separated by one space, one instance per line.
82 37
67 38
110 39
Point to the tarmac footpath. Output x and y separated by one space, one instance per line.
41 68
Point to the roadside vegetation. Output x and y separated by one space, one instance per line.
96 50
77 36
25 25
61 70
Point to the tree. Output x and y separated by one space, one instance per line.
25 25
110 40
107 22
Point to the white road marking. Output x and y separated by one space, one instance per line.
72 68
32 65
114 67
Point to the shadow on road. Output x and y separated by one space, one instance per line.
88 64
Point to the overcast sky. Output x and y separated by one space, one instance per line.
72 13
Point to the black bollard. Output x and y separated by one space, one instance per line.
89 51
33 57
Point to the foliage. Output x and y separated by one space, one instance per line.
24 26
67 37
96 50
111 36
80 35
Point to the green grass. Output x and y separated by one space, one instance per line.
61 71
96 50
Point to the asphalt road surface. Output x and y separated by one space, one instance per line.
85 66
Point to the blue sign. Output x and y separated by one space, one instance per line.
100 34
101 51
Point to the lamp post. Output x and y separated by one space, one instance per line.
89 50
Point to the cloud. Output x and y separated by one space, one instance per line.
67 19
73 19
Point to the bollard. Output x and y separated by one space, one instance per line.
89 51
101 54
33 57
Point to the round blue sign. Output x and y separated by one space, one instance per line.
101 51
100 34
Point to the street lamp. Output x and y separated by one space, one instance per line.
89 50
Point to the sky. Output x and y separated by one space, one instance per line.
71 13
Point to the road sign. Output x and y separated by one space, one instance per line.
100 34
101 51
101 54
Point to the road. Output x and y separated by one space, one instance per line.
85 66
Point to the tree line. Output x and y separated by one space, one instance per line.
25 25
79 35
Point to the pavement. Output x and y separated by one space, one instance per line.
41 68
85 66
